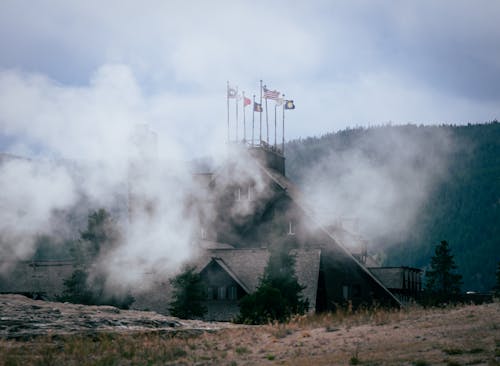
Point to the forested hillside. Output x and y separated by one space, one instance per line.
460 202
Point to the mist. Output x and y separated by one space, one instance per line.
93 147
376 183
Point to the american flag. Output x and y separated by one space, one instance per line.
271 94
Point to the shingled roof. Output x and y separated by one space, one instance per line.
246 267
296 196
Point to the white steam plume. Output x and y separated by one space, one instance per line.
29 194
379 182
88 133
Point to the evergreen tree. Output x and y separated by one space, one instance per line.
278 296
443 284
100 236
86 284
76 289
188 295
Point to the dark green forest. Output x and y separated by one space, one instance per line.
461 207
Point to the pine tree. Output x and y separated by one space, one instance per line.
100 235
443 283
188 295
86 284
278 296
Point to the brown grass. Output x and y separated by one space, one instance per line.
455 336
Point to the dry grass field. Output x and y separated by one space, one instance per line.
464 335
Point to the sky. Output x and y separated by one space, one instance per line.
81 80
80 72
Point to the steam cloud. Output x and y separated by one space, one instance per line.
86 148
92 126
380 182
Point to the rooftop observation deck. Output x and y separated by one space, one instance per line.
269 155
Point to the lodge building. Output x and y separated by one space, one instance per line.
257 210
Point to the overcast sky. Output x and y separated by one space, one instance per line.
64 64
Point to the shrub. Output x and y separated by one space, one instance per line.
278 296
188 295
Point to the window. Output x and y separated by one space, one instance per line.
233 293
291 229
345 292
249 193
203 233
237 194
210 293
221 293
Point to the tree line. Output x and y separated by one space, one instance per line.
464 207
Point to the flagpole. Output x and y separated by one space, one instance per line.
283 135
253 119
260 115
236 101
227 97
267 125
275 108
244 119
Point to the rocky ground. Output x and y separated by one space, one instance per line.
44 333
23 318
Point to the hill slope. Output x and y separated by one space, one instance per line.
419 185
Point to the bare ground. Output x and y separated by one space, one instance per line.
44 333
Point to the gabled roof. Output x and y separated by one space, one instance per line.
245 264
307 264
295 195
228 270
246 267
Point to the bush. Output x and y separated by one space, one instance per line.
79 291
188 295
278 296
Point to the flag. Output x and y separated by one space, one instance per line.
289 104
257 107
246 101
270 94
231 92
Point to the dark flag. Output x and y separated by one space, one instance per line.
257 107
289 104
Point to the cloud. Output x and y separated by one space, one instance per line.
84 122
335 59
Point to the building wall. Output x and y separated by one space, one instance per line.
223 293
404 282
346 283
40 278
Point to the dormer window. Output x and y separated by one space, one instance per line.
203 233
291 228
